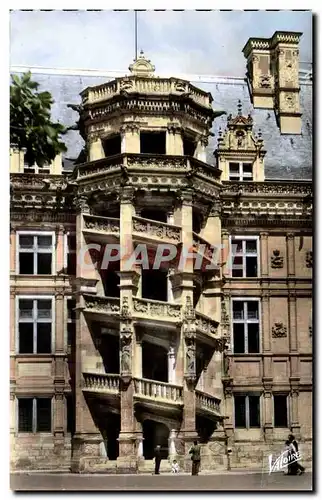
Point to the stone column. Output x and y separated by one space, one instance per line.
174 142
87 437
171 365
96 151
290 254
130 138
137 369
59 420
127 455
172 445
201 151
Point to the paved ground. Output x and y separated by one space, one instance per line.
103 482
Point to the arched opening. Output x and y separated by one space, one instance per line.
154 362
110 426
155 433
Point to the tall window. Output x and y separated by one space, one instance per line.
240 171
71 325
244 253
34 415
35 253
247 411
246 326
280 411
71 253
35 325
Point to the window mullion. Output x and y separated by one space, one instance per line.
34 415
247 411
35 308
245 328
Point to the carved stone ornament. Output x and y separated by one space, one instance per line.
190 372
279 330
125 311
277 261
126 353
227 362
309 259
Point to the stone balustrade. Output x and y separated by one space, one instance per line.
207 402
101 224
158 390
272 188
206 325
145 86
100 304
203 247
159 230
107 382
156 309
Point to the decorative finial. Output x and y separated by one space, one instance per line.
239 107
259 133
142 66
220 132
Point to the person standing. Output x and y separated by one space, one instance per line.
292 440
157 459
195 457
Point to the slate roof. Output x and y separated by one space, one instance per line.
288 156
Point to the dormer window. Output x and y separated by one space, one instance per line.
240 171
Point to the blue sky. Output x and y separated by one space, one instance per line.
191 42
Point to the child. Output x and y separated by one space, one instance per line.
175 467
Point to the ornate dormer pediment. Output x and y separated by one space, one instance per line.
238 143
239 136
142 67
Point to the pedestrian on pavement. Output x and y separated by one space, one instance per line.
292 440
175 467
195 457
290 451
157 459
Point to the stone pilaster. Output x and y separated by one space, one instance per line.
130 138
225 253
60 248
268 412
201 149
60 323
290 248
171 365
295 425
13 243
264 254
95 148
292 322
174 142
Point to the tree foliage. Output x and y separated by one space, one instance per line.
30 122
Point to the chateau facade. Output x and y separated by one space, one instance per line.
112 355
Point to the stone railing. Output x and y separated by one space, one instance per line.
101 166
159 230
145 161
101 224
105 305
203 247
207 402
205 324
158 390
156 309
106 382
145 86
273 188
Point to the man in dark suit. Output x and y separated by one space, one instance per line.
157 459
195 457
292 440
